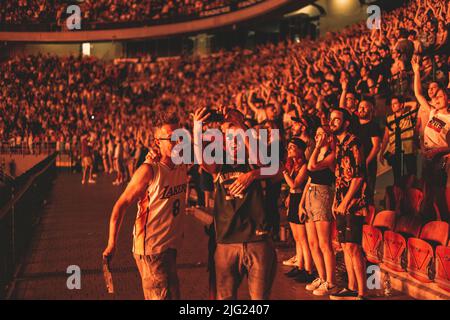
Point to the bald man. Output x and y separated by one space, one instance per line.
160 189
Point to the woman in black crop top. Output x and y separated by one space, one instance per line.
315 205
295 175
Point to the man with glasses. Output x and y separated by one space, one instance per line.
349 102
159 186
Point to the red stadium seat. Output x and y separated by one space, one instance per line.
373 235
394 247
443 267
421 257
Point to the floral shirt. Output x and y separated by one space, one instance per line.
350 164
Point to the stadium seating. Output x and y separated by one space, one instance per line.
421 257
373 235
443 266
394 246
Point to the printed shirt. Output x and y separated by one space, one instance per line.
239 218
406 126
436 131
159 221
350 164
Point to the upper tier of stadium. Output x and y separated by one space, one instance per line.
50 20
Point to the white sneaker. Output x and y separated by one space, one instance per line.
291 262
314 285
325 289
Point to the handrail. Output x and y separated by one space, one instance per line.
18 218
17 197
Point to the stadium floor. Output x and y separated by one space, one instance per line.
73 231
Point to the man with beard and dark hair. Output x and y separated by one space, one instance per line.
349 205
349 102
241 221
370 136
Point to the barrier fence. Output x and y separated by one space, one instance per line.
20 213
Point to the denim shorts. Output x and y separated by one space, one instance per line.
350 228
318 202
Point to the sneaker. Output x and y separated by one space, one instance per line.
310 277
325 289
291 262
294 272
304 277
91 181
344 294
314 285
83 182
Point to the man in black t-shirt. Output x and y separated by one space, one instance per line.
405 47
370 136
241 221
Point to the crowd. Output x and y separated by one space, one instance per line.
105 11
342 104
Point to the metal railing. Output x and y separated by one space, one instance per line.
36 148
19 215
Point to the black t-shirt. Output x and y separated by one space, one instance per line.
242 218
441 75
366 133
406 49
354 124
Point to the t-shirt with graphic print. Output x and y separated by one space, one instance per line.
239 218
437 130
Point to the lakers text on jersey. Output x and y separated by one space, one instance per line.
159 221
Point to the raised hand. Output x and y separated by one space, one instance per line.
415 63
201 114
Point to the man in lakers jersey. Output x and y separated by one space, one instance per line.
160 189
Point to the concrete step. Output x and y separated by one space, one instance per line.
404 282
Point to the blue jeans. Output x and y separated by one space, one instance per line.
256 259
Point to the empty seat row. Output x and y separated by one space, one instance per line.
403 244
